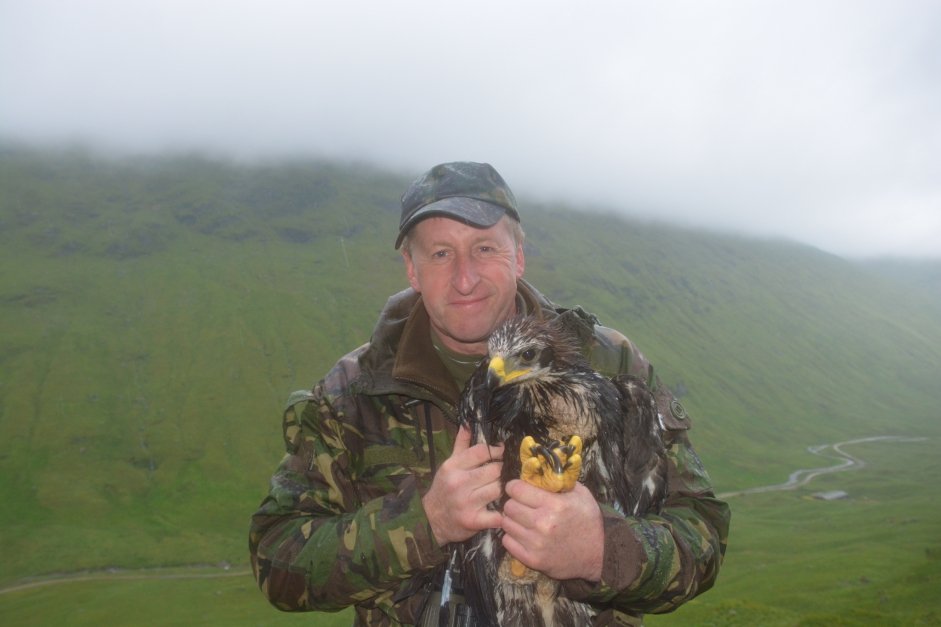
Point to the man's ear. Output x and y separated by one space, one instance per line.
520 261
410 271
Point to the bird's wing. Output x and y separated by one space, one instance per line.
481 554
644 457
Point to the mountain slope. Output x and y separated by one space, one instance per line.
157 312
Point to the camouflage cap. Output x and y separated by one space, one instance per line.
473 193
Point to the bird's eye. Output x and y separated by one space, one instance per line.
529 354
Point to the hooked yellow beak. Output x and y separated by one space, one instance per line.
498 369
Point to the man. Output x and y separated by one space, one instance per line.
378 478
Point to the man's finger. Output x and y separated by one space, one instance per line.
525 493
480 453
462 440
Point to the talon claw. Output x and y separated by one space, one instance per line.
555 466
552 459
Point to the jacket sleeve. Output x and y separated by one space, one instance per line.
327 537
654 563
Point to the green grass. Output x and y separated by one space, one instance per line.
156 313
154 598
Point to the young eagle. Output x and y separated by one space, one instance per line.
559 421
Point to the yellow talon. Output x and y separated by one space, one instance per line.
526 448
537 465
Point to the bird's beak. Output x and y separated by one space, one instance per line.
498 370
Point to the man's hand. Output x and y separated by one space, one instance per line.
560 534
456 503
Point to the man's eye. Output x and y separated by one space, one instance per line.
529 354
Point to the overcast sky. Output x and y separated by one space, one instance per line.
818 121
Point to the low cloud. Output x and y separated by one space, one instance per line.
815 121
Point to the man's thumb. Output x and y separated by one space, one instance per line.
462 441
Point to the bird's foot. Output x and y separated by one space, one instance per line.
517 568
555 466
514 571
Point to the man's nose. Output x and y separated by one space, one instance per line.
465 276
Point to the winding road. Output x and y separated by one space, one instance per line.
845 461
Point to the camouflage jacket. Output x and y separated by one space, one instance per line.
343 523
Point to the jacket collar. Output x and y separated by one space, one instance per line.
417 361
401 358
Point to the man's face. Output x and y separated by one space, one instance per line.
467 278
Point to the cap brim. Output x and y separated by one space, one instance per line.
477 213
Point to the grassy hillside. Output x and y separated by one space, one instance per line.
156 313
922 276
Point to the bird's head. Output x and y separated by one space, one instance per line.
527 349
